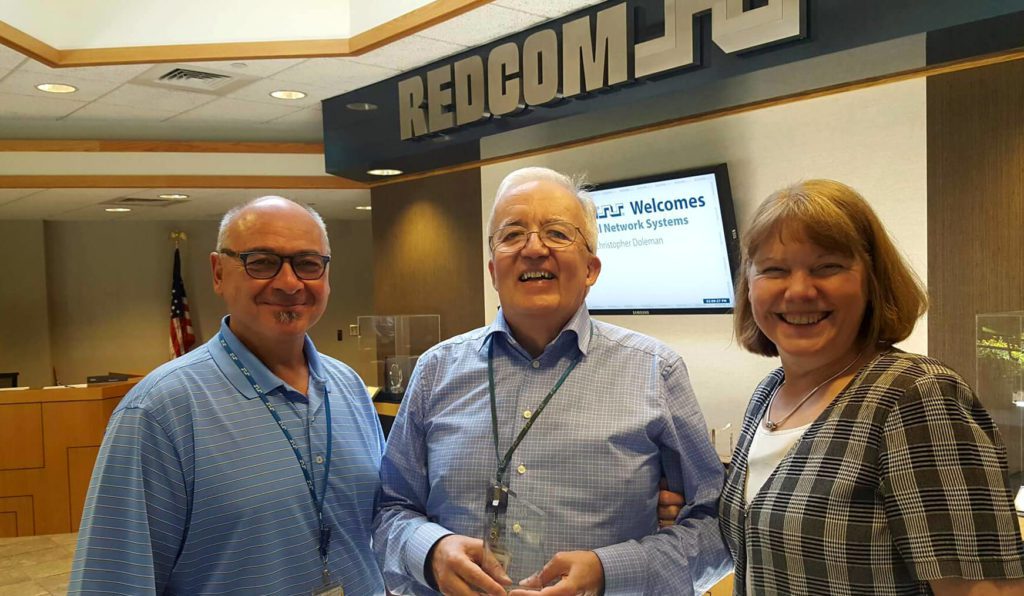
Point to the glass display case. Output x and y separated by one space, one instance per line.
389 346
1000 362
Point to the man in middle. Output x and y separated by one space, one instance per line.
539 441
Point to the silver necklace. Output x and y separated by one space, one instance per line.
774 424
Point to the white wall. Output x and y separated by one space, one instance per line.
872 139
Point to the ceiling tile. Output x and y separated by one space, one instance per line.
335 73
24 83
409 52
151 97
482 25
114 74
546 8
9 58
260 91
12 194
52 202
29 106
115 114
235 109
308 116
252 68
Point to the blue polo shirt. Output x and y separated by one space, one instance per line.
197 491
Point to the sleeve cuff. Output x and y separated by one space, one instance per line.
624 568
419 546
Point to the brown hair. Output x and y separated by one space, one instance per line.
836 218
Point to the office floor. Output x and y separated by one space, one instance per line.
36 565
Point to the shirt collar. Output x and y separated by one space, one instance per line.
580 325
267 380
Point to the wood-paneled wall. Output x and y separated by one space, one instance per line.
428 250
49 446
976 217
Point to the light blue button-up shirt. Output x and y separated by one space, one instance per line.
625 417
197 491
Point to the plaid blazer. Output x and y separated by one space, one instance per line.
902 479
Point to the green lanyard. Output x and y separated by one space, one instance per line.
503 462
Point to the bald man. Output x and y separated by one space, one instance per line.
250 464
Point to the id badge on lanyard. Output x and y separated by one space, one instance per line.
327 587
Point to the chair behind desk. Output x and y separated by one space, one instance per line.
8 379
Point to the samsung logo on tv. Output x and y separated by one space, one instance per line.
588 54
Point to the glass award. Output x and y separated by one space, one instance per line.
513 534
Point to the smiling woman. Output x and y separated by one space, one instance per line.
865 462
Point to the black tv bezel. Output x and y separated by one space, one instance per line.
729 233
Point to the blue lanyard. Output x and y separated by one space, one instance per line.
318 504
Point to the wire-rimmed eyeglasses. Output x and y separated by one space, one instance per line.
556 234
308 266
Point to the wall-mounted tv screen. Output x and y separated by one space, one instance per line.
667 244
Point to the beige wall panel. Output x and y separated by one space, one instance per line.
24 340
351 272
975 216
21 426
426 239
110 288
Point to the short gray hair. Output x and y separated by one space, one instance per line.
233 213
576 185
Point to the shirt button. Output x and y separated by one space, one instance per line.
517 528
521 469
527 414
535 364
319 459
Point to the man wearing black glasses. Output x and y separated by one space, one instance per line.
250 464
531 450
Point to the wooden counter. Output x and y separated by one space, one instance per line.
50 438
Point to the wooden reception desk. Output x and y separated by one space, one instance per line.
50 438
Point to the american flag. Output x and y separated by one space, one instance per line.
182 338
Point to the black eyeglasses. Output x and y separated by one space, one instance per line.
258 264
557 234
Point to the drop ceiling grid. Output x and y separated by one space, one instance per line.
109 102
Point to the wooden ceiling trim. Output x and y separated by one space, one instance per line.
180 181
28 45
138 146
385 33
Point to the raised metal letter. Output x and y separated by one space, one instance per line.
469 90
412 118
439 98
735 30
502 90
580 53
540 68
674 49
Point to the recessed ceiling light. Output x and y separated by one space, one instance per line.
174 196
56 88
364 207
383 172
284 94
361 106
117 210
239 65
